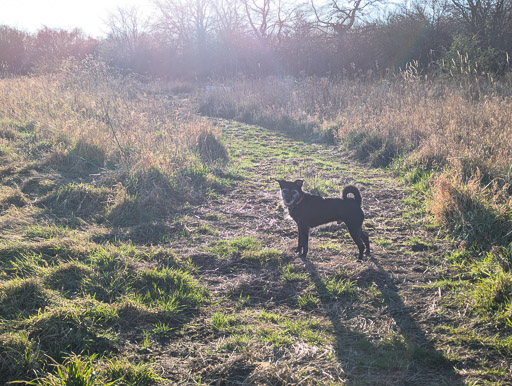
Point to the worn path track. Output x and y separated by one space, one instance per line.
376 327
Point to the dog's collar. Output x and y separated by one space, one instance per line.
293 206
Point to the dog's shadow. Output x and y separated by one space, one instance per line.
364 359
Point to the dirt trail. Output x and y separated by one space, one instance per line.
378 330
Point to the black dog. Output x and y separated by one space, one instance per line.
309 211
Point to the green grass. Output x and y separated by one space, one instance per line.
339 287
162 330
20 355
205 229
263 256
45 232
21 298
89 371
76 326
383 242
308 301
222 321
329 246
237 343
290 273
237 247
66 300
213 217
169 290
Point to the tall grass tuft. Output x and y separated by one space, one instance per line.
480 215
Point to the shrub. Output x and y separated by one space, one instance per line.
466 57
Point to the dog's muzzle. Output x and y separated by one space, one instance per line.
290 197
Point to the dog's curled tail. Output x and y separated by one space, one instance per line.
352 189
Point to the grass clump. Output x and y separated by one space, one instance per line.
210 148
308 301
20 356
291 273
45 232
69 278
237 343
478 215
339 287
112 274
125 372
492 294
23 264
89 152
21 298
74 371
81 200
263 256
169 290
85 371
222 321
83 325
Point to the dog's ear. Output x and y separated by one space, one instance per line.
280 182
299 183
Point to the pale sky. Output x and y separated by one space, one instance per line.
88 15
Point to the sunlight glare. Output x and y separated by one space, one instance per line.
89 16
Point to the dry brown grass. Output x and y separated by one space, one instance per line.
436 124
87 104
432 123
143 153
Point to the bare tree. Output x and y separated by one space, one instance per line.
434 12
486 19
339 16
229 16
269 19
185 22
127 27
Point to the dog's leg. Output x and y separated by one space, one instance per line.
356 236
366 241
304 237
299 246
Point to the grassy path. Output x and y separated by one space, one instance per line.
328 318
215 295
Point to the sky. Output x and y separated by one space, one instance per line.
88 15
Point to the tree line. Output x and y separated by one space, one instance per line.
223 38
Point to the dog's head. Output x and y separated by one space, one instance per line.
291 191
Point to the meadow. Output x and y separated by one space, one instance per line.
143 240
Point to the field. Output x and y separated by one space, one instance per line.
143 239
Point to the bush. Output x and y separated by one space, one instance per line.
466 56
